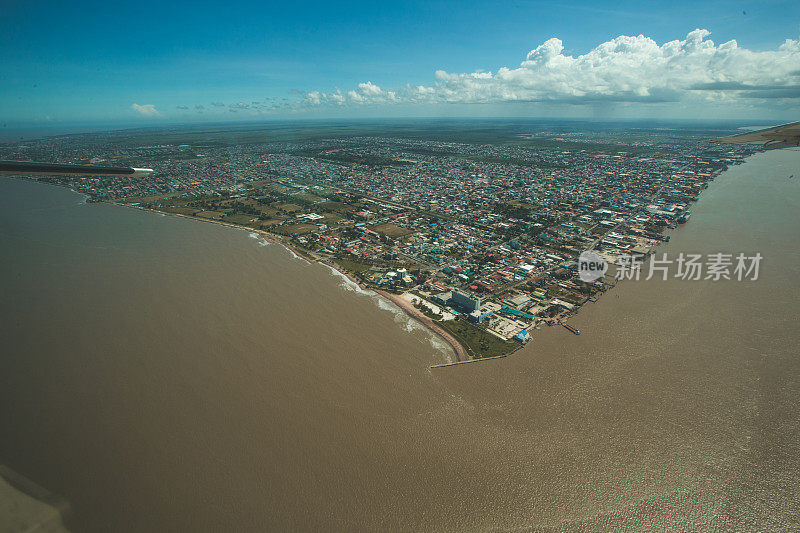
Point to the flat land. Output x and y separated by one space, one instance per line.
392 230
477 341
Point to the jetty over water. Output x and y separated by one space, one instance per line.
470 361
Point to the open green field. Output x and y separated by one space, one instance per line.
477 341
179 210
391 230
267 212
267 224
213 215
308 197
352 265
288 208
331 218
291 229
241 219
334 207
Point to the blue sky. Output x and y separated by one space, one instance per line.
167 62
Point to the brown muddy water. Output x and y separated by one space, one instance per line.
163 374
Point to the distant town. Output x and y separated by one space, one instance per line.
477 238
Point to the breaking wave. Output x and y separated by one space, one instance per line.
349 284
259 239
294 255
400 317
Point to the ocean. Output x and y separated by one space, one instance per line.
160 373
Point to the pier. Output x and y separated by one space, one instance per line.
470 361
570 328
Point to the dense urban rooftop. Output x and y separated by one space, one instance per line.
481 237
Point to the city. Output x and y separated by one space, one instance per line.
479 241
399 266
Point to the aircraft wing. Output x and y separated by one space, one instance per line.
49 169
783 136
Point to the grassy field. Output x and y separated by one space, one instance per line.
214 215
352 265
179 210
477 341
392 230
335 207
291 229
308 197
240 219
267 212
331 218
266 224
288 208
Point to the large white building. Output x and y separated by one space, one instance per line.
465 302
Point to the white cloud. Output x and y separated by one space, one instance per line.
146 110
366 93
624 69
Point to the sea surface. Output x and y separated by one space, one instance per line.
165 374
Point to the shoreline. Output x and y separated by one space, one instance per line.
269 237
459 350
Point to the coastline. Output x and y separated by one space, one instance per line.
459 350
269 237
413 312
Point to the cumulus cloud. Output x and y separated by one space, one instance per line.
365 93
624 69
146 110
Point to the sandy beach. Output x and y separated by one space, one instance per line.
405 305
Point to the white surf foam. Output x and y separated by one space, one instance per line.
400 317
259 239
347 283
294 255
